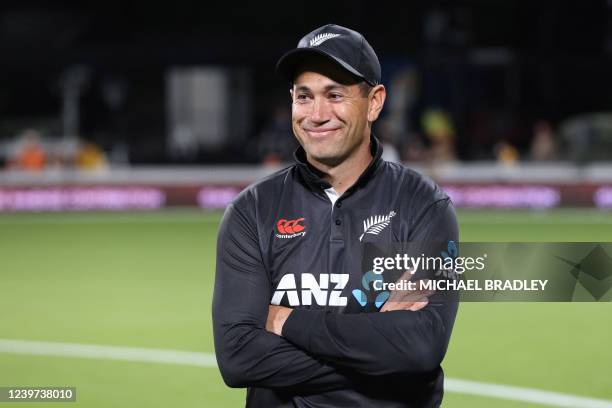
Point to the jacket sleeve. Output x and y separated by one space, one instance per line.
384 343
246 353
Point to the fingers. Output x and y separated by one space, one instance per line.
409 295
418 305
412 300
413 306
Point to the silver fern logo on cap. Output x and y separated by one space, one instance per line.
321 38
376 223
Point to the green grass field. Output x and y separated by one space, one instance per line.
145 280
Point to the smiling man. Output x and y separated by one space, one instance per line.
288 323
331 109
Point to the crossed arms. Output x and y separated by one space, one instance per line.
312 350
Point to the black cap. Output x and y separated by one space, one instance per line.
342 45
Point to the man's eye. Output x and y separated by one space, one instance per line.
302 97
335 96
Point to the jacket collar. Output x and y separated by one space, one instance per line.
313 177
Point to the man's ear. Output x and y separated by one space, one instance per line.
376 100
291 93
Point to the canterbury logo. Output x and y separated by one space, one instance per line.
321 38
376 223
290 228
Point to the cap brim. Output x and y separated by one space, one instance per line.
288 63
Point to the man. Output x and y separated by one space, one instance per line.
288 321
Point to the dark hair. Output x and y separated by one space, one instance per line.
365 88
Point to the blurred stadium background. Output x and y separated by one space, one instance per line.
126 128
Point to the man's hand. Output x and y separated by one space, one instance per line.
412 300
277 316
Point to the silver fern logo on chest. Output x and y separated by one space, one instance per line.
376 223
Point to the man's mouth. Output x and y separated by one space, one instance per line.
320 133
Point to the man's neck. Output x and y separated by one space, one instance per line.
343 175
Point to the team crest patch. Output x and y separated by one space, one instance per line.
376 223
321 38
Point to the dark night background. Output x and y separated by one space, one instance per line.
557 61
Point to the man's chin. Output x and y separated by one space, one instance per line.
326 158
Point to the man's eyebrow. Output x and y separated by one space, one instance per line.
333 87
302 88
327 88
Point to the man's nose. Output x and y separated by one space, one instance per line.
321 111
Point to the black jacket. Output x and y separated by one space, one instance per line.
334 352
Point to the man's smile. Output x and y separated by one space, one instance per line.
319 133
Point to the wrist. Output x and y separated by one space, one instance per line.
277 316
284 315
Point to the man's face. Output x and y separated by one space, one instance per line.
330 112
